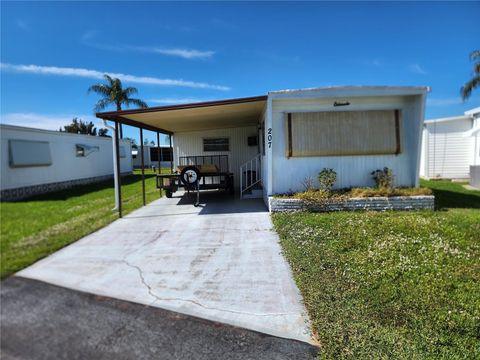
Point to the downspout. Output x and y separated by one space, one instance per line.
115 170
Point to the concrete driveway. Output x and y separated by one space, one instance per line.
220 261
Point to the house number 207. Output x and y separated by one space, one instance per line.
269 137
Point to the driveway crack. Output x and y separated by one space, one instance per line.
158 298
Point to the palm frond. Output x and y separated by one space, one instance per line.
130 91
102 104
109 79
100 89
467 89
474 55
137 102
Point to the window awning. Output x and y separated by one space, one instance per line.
209 115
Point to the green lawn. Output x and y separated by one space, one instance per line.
36 227
391 284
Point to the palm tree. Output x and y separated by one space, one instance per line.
113 93
473 83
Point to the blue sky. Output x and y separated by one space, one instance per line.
52 52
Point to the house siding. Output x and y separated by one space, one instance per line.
446 152
352 171
66 166
191 143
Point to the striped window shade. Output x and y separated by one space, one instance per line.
339 133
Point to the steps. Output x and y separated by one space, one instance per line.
251 179
255 192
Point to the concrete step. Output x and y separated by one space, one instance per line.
253 194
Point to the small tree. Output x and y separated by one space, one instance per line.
78 126
103 132
383 178
133 141
327 178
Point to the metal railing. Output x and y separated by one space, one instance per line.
220 161
250 174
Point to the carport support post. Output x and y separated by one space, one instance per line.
143 166
159 153
171 153
118 189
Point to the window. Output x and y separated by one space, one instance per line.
165 153
24 153
85 150
216 144
343 133
122 152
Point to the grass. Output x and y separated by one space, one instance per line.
391 284
36 227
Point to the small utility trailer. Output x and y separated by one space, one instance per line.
195 173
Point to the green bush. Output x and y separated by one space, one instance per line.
383 178
327 178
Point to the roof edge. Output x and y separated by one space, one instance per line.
352 87
451 118
113 114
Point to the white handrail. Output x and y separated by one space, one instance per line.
255 176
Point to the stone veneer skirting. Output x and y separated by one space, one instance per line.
27 191
372 203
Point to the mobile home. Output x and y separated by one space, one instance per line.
273 142
35 161
451 146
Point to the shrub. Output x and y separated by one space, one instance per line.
327 178
383 178
370 192
318 199
307 183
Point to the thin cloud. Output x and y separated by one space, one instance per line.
185 53
444 102
175 101
44 121
95 74
417 69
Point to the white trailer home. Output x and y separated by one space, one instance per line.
451 146
151 155
35 161
272 143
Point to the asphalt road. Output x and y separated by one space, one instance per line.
43 321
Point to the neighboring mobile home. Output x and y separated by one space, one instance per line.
150 156
35 161
274 142
451 146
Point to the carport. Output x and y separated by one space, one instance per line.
199 118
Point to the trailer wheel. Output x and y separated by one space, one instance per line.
168 194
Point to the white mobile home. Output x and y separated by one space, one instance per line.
273 142
451 146
35 161
150 156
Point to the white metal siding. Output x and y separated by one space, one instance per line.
65 164
351 170
191 144
448 154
